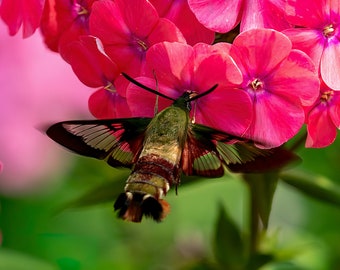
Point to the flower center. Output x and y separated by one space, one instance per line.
328 30
140 45
326 96
81 10
110 87
256 85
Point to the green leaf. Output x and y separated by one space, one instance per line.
262 189
315 186
17 261
229 247
258 260
103 193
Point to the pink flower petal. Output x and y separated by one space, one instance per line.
107 23
306 13
25 12
181 15
334 9
233 74
334 109
139 15
296 80
275 120
264 14
330 64
104 104
141 102
252 16
165 31
221 48
268 45
321 129
215 69
90 63
172 63
226 109
63 21
217 15
307 40
128 47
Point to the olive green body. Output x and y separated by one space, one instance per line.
158 165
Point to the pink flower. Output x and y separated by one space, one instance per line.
222 16
64 20
128 29
21 12
95 69
318 35
179 13
180 68
279 80
37 88
323 118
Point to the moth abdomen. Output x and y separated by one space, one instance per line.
148 183
159 167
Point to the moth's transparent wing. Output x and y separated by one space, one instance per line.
207 150
117 141
199 156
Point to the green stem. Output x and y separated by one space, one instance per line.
299 142
261 191
254 221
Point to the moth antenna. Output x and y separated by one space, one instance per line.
204 93
145 87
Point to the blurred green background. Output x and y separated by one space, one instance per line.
42 232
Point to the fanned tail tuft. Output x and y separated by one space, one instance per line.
133 206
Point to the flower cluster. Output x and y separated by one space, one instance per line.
280 72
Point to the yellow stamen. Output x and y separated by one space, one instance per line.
110 87
328 30
142 44
256 84
326 96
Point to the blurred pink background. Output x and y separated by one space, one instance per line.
37 88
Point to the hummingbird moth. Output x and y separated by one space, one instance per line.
158 150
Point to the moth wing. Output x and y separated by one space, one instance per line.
117 141
207 150
199 156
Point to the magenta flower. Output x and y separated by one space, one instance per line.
180 68
222 16
323 118
318 35
95 69
279 80
179 13
21 12
128 29
64 21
